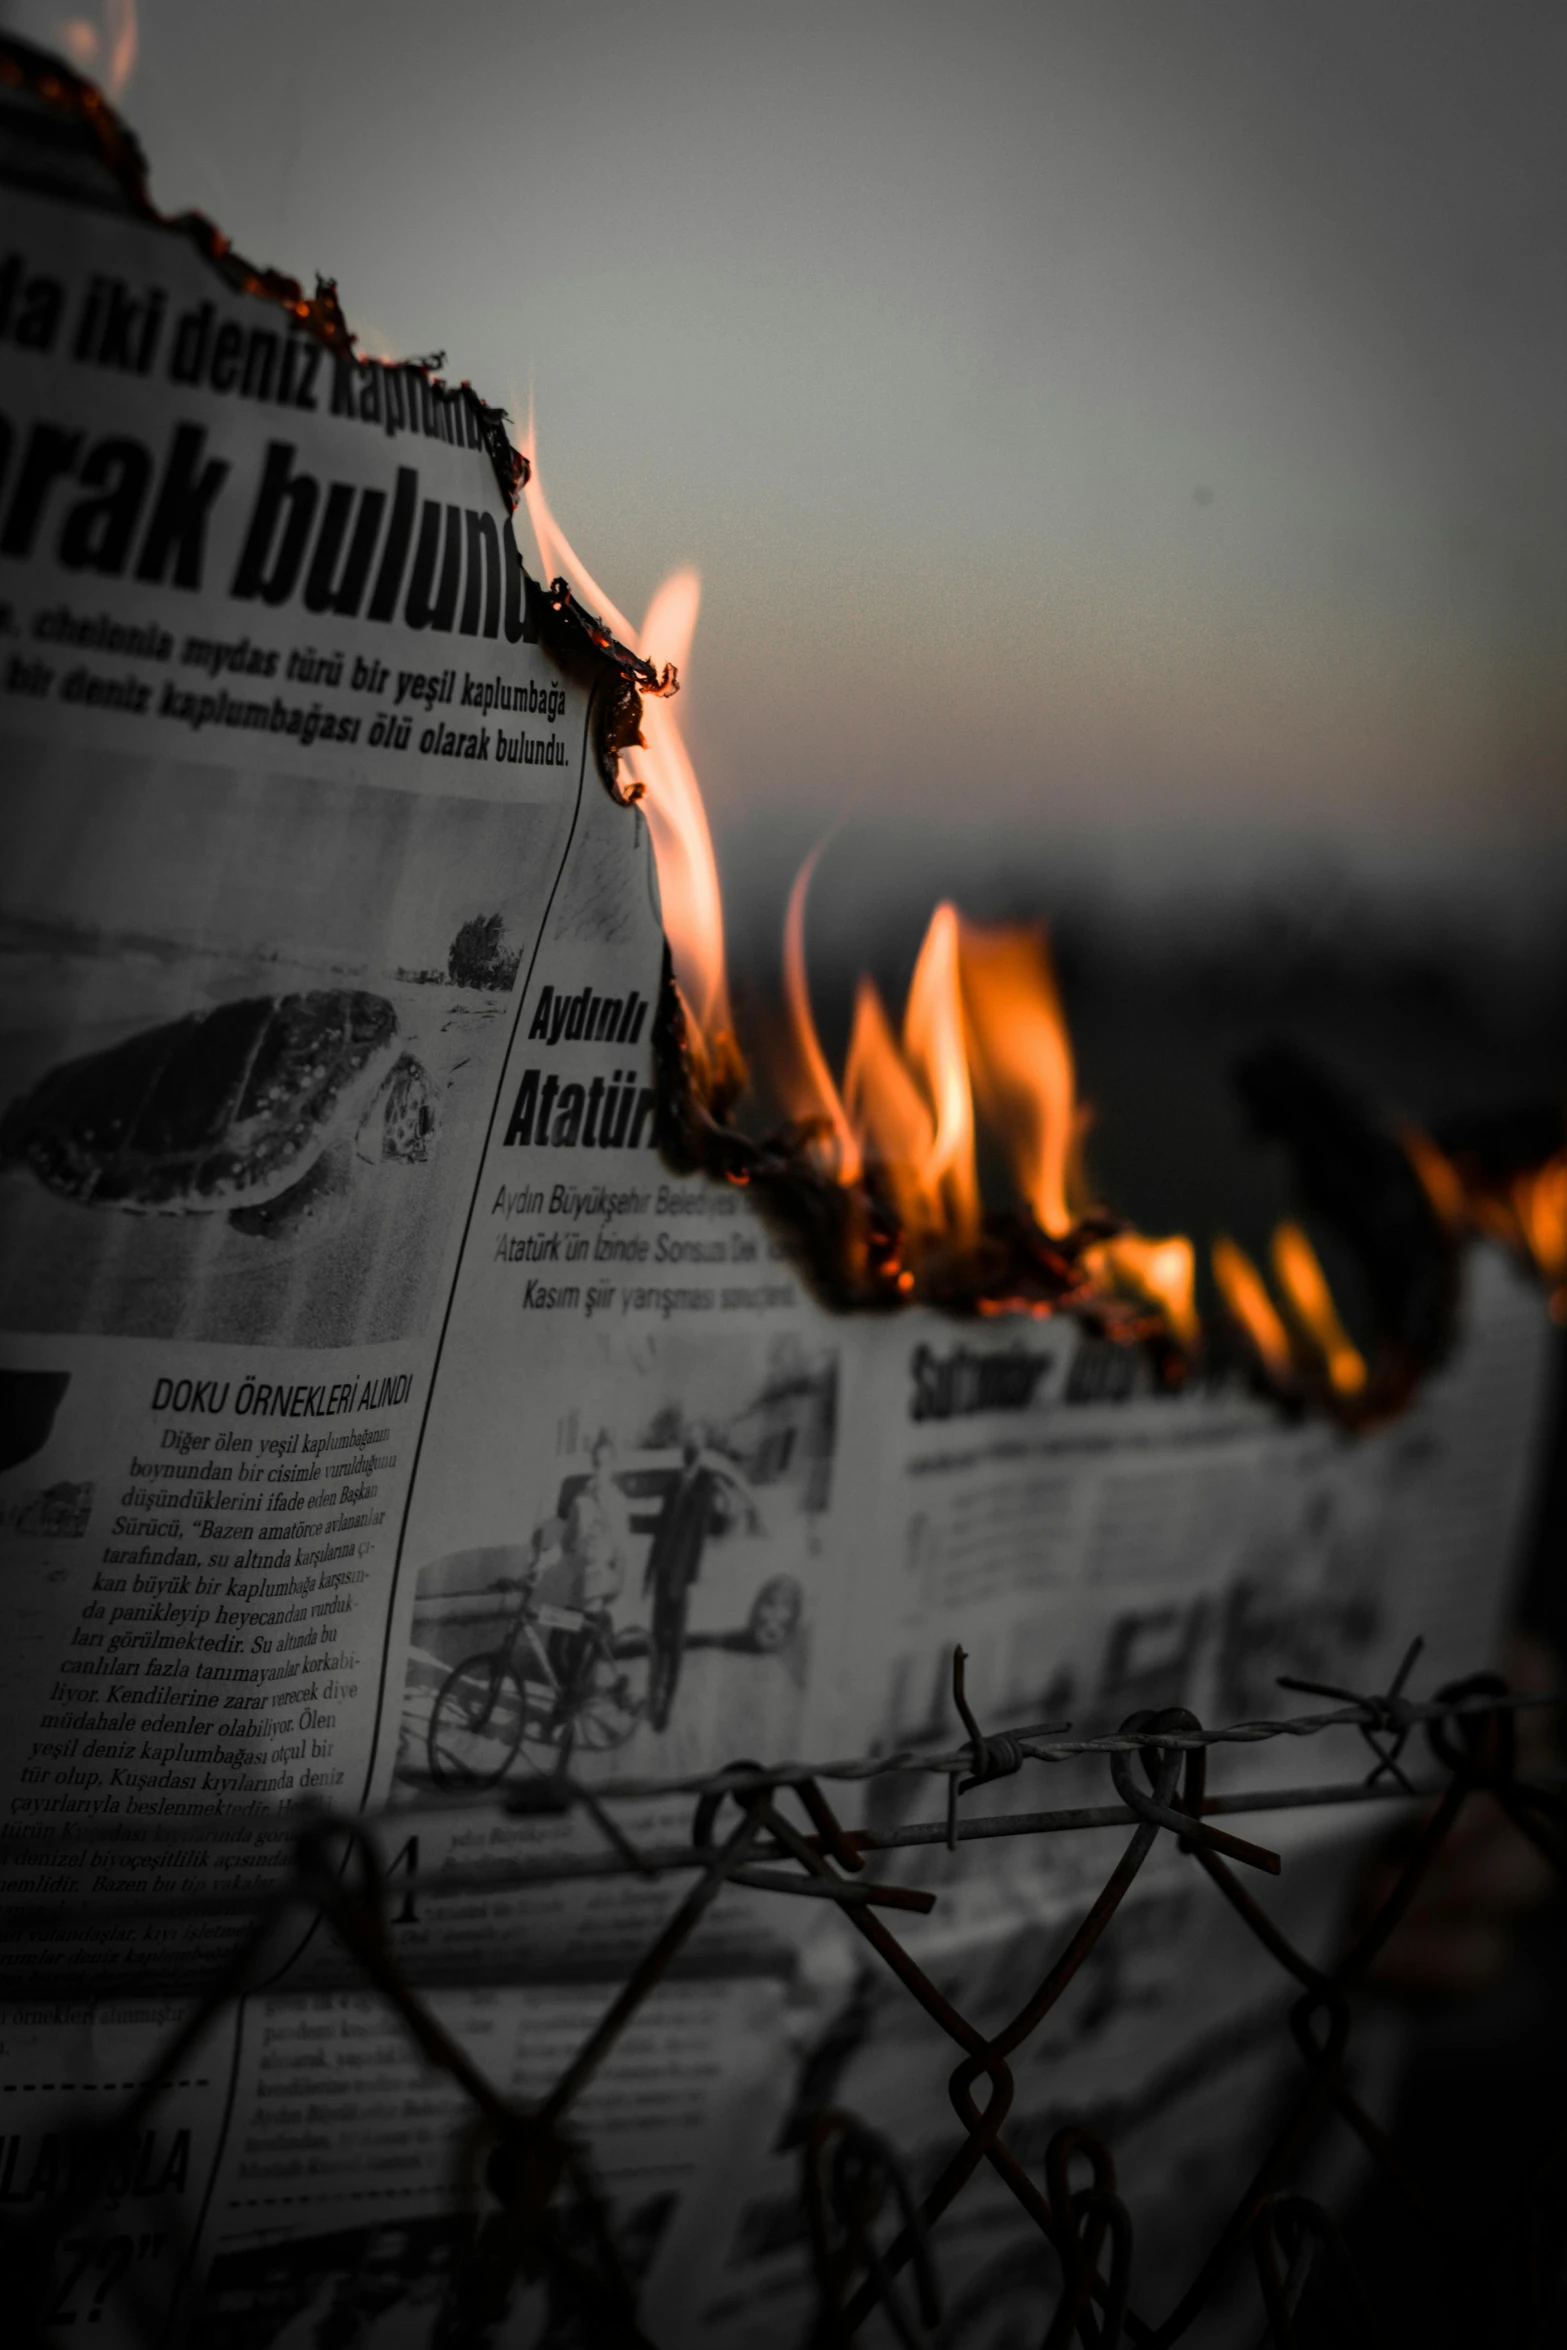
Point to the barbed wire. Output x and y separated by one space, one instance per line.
546 2216
1000 1754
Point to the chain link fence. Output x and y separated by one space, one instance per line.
874 2230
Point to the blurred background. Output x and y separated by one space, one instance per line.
1122 451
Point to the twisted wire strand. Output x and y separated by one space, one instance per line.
1036 1744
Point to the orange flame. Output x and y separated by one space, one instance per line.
1300 1276
1439 1179
1246 1296
886 1109
933 1049
983 1024
660 770
1164 1272
106 51
556 552
821 1094
982 1018
683 846
1540 1204
1021 1060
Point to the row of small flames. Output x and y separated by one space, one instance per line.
983 1037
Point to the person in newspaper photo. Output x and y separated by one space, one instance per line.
580 1560
697 1504
651 1582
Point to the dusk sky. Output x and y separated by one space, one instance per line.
1133 430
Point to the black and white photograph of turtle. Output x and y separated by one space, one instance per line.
248 1045
240 1110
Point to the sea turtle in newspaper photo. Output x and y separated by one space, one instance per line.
257 1110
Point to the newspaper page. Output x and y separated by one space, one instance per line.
389 1430
289 790
311 2179
337 1266
640 1419
1101 1546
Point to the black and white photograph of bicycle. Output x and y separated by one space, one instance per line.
658 1598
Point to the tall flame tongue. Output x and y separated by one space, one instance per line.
1245 1294
687 869
814 1095
933 1049
887 1111
557 554
906 1113
1305 1286
660 770
1021 1059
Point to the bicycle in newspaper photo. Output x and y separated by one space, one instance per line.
679 1525
554 1682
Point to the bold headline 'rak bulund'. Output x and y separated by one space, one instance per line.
111 506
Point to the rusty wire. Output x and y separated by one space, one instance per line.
872 2229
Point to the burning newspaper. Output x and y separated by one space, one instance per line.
392 1427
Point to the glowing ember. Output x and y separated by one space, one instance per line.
1163 1273
1301 1278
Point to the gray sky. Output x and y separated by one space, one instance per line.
1134 426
